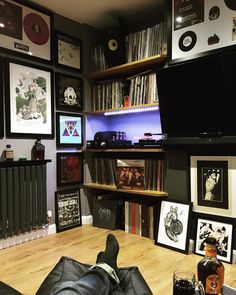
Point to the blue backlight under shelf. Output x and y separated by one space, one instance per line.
131 110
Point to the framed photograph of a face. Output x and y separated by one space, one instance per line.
28 100
173 227
69 130
69 168
68 209
221 230
69 92
68 52
26 30
212 184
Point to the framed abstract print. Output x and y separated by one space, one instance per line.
69 130
68 52
69 92
69 168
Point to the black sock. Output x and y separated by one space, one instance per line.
110 254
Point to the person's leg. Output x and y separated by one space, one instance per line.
101 279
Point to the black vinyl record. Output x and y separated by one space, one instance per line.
231 4
114 48
36 28
187 41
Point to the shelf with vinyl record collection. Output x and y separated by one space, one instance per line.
123 88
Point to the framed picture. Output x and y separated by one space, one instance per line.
68 52
219 228
69 132
200 27
1 100
212 184
28 100
173 227
69 92
26 30
69 168
68 209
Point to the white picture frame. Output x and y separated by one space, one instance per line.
231 186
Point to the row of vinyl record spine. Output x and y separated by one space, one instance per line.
104 171
138 90
139 219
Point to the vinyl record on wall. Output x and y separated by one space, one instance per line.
114 48
187 41
36 28
231 4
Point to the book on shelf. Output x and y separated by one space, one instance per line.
130 173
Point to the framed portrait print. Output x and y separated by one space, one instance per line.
69 168
26 30
200 27
220 229
69 130
68 52
69 92
212 184
68 209
28 100
173 227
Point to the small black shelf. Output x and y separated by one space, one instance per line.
23 163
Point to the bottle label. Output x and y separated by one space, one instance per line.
213 284
9 155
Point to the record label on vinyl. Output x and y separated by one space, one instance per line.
36 28
187 41
113 44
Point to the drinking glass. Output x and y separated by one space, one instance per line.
184 283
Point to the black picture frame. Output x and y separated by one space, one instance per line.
68 209
192 36
68 52
173 225
212 183
69 168
222 228
69 130
69 92
29 106
1 99
31 36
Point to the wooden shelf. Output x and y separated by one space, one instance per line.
101 112
128 150
157 194
128 68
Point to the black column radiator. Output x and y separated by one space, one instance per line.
23 197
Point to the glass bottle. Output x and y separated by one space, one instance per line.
9 154
210 269
38 150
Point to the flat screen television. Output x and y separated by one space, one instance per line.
198 100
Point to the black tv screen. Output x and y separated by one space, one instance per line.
198 98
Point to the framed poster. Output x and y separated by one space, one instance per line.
26 30
1 99
69 130
173 227
220 229
198 27
28 100
212 184
69 168
69 92
68 52
68 209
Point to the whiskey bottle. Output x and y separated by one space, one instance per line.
9 154
210 269
38 150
